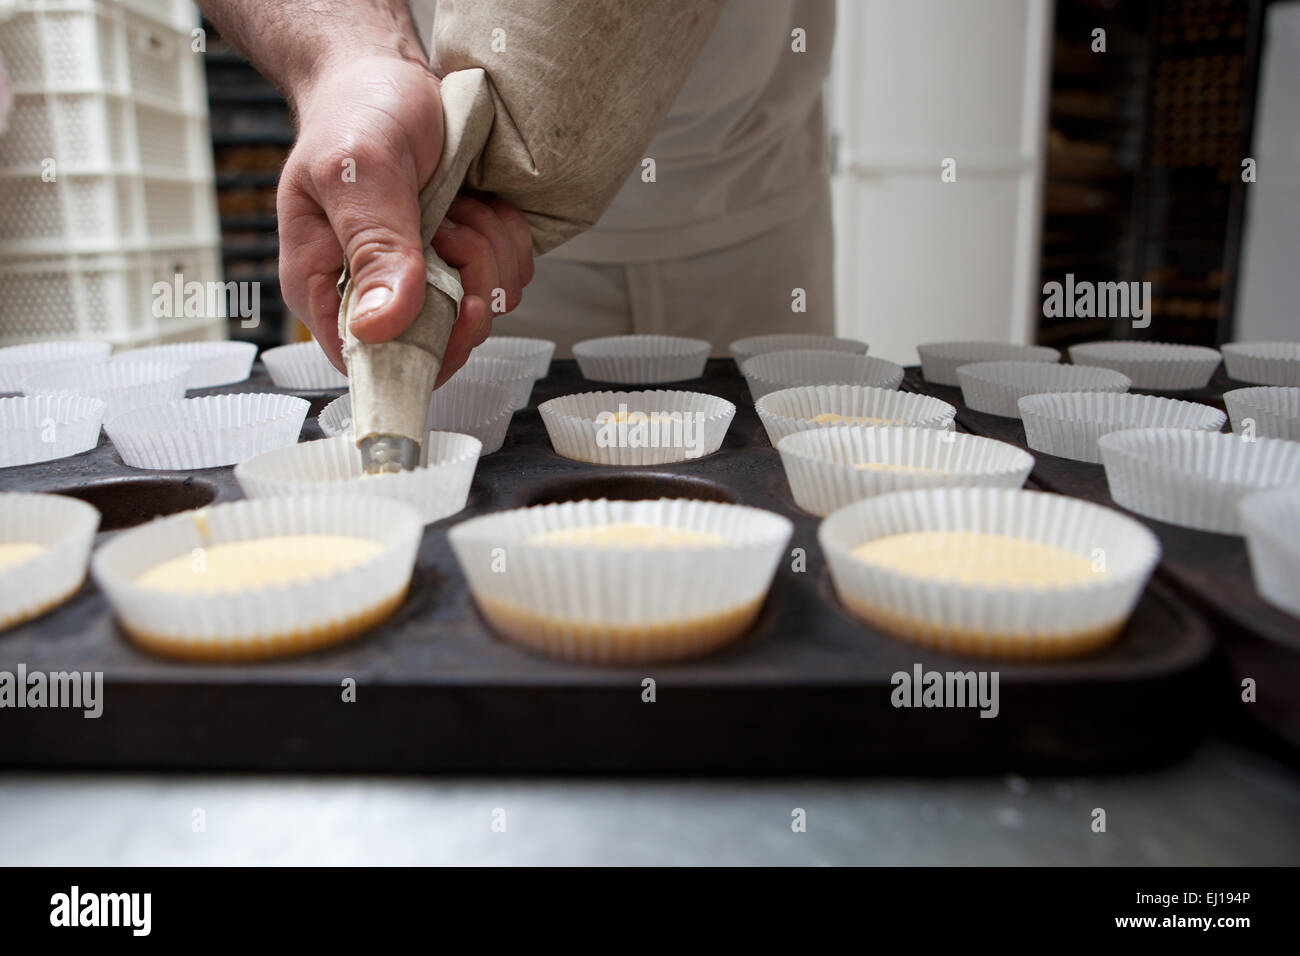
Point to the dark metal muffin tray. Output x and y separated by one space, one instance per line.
1211 571
808 690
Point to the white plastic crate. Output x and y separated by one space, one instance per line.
113 104
107 297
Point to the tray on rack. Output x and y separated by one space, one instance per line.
808 690
1210 571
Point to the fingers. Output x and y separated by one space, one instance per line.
473 325
520 234
310 261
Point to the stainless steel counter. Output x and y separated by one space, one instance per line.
1224 805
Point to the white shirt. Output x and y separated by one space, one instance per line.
743 148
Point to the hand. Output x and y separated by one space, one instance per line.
370 135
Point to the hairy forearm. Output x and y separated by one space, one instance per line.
291 42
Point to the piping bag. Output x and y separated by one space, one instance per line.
564 117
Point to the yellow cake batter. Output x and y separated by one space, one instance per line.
908 469
14 553
259 563
629 534
830 418
975 558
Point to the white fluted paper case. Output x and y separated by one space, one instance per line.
1068 424
1272 410
660 426
940 360
207 432
64 528
791 410
996 387
19 362
641 359
535 353
1194 479
621 605
773 371
1159 366
45 427
746 348
480 409
516 376
302 367
822 466
122 386
1270 521
1011 622
270 621
1263 363
211 363
332 466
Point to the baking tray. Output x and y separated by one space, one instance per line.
1211 571
808 690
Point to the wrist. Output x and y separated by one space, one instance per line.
366 51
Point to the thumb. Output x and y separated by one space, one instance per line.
380 234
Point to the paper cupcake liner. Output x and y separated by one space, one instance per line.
822 465
584 427
621 605
479 409
45 427
641 359
744 349
1194 479
1274 411
19 362
1068 424
535 353
791 410
267 622
211 363
954 617
122 386
66 528
996 387
517 376
1158 366
206 432
1271 522
302 367
332 466
940 360
1263 363
774 371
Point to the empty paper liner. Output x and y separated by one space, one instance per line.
1068 424
940 360
44 427
437 488
207 432
302 367
997 387
1194 479
774 371
746 348
831 467
641 359
19 362
1159 366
